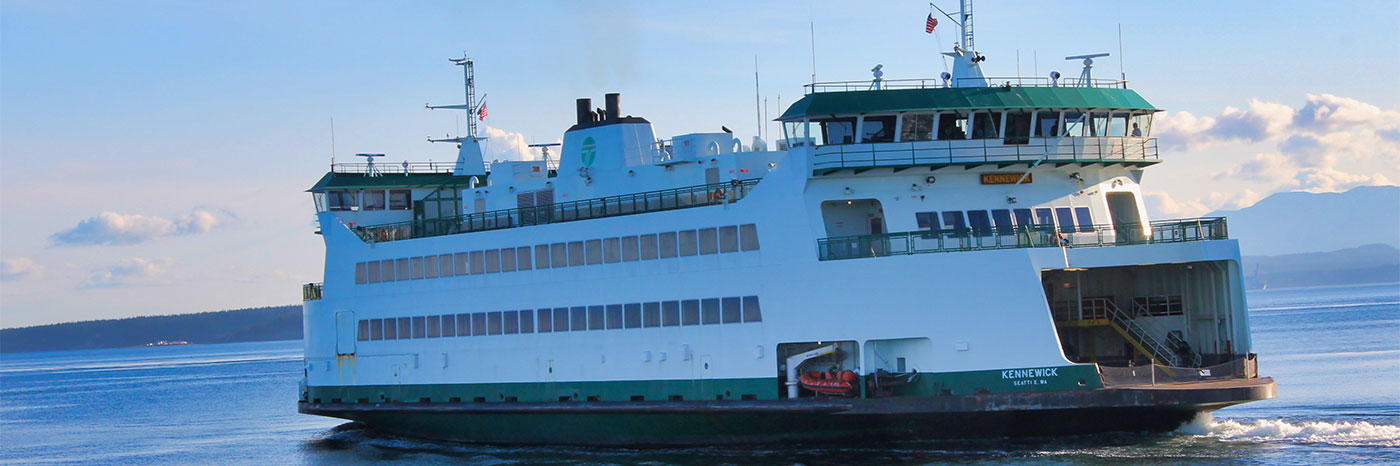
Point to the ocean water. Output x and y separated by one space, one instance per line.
1334 351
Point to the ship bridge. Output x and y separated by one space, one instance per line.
900 124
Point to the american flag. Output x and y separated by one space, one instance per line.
930 24
481 111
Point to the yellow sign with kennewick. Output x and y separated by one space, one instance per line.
1004 178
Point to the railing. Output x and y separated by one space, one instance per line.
1039 236
311 292
612 206
412 168
1245 367
835 156
935 83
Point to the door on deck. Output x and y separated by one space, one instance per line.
344 332
1127 224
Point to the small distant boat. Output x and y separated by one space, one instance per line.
168 343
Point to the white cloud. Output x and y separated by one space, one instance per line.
112 228
131 272
19 268
1162 205
1261 121
505 145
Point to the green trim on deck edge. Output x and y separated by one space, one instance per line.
964 98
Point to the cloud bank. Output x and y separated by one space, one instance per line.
505 145
112 228
131 272
19 268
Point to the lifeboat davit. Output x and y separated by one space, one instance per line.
843 383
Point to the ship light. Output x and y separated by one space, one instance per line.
848 190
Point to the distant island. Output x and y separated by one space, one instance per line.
232 326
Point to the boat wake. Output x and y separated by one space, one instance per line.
1340 433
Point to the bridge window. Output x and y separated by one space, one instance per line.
1141 123
1099 124
1047 124
372 200
927 220
1118 125
952 126
986 125
341 201
954 220
1074 124
796 132
916 127
877 129
399 199
1018 128
836 130
1023 218
1044 217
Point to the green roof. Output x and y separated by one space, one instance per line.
360 181
963 98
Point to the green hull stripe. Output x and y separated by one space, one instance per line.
1075 377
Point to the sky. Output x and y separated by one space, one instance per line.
154 155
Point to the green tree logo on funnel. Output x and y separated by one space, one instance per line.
588 151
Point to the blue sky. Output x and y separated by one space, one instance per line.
185 132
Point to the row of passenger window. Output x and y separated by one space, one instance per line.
703 241
731 310
1007 221
1016 126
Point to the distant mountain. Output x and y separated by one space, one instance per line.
257 324
1373 263
1298 222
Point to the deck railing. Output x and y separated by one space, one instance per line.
1039 236
611 206
963 151
412 168
311 292
991 81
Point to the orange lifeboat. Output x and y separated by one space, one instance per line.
843 383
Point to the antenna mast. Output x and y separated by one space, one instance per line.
967 25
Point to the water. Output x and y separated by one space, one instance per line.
1334 351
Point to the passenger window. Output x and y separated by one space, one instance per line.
596 320
508 260
478 259
445 265
687 243
1002 219
1066 218
629 248
648 247
391 329
614 319
667 244
376 329
493 261
1023 219
542 256
748 237
430 267
478 323
877 129
510 321
449 325
709 311
576 253
464 325
728 239
595 251
387 266
527 321
545 321
916 127
405 328
561 320
459 261
493 323
927 220
372 270
578 318
690 312
751 310
362 330
1086 223
522 258
632 316
1044 217
707 241
671 313
401 269
980 222
610 250
559 255
360 273
416 266
434 326
651 315
953 220
730 310
952 126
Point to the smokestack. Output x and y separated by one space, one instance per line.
584 109
610 102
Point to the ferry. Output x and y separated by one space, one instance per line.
962 256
